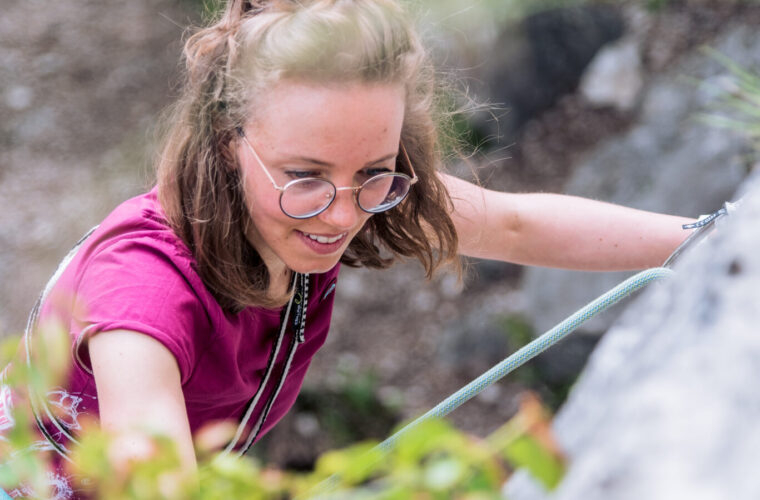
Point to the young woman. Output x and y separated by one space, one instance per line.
304 138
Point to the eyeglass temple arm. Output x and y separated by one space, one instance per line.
241 133
409 162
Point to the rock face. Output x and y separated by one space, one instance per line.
614 76
667 407
668 162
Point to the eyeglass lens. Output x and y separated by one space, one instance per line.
308 197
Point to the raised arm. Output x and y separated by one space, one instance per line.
138 384
560 231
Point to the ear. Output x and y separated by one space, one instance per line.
231 150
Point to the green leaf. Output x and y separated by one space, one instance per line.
526 452
444 473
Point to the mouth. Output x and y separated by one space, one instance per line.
325 240
323 244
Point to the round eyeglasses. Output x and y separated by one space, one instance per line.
308 197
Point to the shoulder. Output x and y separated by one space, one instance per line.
133 273
135 247
139 222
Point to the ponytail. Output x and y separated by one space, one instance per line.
214 47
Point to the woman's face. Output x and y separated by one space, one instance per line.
342 133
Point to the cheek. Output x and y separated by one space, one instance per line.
262 201
361 225
365 218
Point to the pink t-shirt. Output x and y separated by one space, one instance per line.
134 273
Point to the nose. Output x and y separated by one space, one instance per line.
343 213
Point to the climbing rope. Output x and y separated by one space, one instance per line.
516 360
533 349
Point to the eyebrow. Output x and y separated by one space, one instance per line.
321 163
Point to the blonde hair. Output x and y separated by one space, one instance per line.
230 64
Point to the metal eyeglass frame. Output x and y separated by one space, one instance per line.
356 189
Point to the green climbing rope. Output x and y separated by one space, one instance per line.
518 358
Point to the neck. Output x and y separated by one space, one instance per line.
279 281
279 273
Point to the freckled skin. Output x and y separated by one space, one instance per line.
346 126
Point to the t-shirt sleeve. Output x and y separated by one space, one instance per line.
139 285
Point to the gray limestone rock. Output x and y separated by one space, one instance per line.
667 406
614 77
669 162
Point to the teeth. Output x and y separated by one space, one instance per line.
325 239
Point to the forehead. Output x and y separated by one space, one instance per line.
293 112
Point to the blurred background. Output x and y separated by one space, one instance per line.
599 99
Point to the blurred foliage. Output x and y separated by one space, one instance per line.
351 410
472 19
737 99
456 14
206 9
433 460
656 4
519 332
347 408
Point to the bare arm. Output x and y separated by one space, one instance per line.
560 231
138 384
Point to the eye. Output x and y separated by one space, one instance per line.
302 174
373 171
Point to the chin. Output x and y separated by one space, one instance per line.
314 268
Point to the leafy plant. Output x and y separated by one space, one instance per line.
433 460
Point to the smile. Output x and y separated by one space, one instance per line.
325 239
